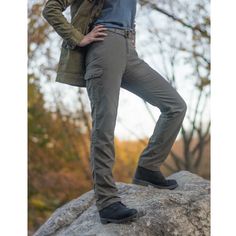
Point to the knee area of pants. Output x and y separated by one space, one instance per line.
183 107
180 108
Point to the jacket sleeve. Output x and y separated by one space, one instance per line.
52 12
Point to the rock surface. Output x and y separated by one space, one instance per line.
182 211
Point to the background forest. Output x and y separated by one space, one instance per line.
174 38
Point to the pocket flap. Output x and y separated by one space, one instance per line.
93 73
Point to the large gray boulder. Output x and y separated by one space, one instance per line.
182 211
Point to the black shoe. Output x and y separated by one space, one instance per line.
117 212
156 179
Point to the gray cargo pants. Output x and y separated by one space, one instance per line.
110 65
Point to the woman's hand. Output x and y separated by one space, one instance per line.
95 34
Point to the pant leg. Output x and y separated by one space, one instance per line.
142 80
103 79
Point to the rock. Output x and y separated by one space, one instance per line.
182 211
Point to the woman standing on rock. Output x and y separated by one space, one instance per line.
107 39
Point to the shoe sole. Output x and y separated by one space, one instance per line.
145 183
107 220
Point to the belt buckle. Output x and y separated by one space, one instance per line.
126 33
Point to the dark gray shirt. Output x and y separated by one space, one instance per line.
118 14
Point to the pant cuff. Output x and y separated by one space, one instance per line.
107 203
152 168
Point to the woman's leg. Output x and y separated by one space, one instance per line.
105 64
140 79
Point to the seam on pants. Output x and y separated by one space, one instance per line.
127 45
126 60
97 83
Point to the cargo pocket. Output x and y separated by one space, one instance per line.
93 79
94 86
93 73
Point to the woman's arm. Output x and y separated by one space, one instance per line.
52 12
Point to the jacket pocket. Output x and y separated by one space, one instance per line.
71 61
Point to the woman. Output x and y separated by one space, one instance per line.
112 63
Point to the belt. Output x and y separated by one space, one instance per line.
125 32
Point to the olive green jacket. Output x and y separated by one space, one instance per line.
71 68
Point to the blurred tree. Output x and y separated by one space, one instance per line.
57 169
185 36
58 164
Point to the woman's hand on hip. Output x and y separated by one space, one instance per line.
95 34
